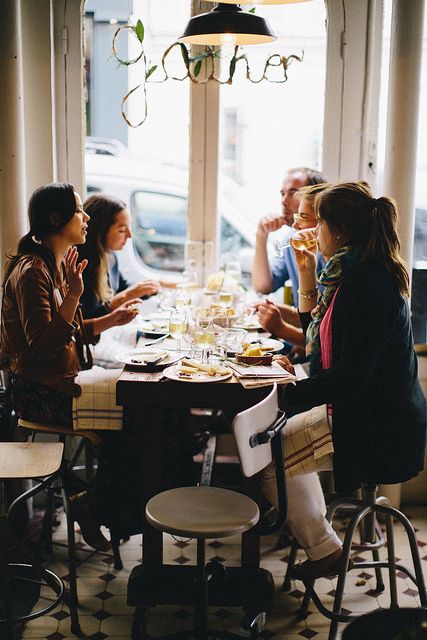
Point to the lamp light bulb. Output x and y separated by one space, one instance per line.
228 39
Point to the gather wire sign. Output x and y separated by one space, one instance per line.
193 67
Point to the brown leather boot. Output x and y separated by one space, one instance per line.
89 526
330 565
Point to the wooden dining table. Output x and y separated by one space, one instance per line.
156 406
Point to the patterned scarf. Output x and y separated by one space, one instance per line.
339 266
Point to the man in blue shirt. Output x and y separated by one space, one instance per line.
269 276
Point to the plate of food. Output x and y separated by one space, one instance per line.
265 344
153 326
149 359
193 371
250 323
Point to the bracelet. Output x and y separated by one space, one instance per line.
311 293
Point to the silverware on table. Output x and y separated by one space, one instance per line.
148 344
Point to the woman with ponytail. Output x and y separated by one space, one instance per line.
364 386
44 338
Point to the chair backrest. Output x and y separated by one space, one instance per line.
255 420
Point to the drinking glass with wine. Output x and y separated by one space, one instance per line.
304 239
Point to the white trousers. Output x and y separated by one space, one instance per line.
306 503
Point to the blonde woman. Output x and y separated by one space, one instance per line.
108 231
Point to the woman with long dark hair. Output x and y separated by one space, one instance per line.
108 231
364 383
44 338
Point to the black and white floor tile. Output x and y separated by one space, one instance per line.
105 614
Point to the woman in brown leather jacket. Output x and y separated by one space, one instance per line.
43 334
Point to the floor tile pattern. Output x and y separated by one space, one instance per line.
105 614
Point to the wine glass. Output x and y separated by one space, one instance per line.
220 323
204 335
182 296
225 298
177 327
300 240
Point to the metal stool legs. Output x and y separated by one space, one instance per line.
15 573
368 510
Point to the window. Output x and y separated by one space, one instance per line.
419 270
267 128
160 228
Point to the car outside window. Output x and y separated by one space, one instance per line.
159 223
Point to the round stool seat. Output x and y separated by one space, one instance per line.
389 624
202 512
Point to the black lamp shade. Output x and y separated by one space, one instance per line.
227 24
263 1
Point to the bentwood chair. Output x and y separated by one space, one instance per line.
20 460
68 484
206 512
364 515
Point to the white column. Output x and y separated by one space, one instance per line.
402 115
12 152
69 117
36 51
203 228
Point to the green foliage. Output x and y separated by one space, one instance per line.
139 30
193 66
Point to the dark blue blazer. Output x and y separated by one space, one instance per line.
379 410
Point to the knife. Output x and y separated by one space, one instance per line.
148 344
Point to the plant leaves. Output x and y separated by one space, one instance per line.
184 53
139 30
197 68
150 71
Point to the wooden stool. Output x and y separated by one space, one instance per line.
364 514
25 461
202 512
68 480
211 512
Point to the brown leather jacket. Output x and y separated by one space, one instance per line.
36 342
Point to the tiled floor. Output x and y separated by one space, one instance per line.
102 590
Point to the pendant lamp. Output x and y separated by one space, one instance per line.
227 24
262 1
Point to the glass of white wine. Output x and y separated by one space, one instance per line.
300 240
204 335
225 298
177 327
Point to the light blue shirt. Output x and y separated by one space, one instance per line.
285 268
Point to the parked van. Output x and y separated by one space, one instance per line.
157 198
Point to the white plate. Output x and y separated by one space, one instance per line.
153 326
131 358
267 343
201 376
252 325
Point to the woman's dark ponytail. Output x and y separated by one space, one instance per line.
383 242
368 223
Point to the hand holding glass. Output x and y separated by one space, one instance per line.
300 240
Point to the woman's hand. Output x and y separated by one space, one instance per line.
125 313
270 318
74 272
285 363
145 288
